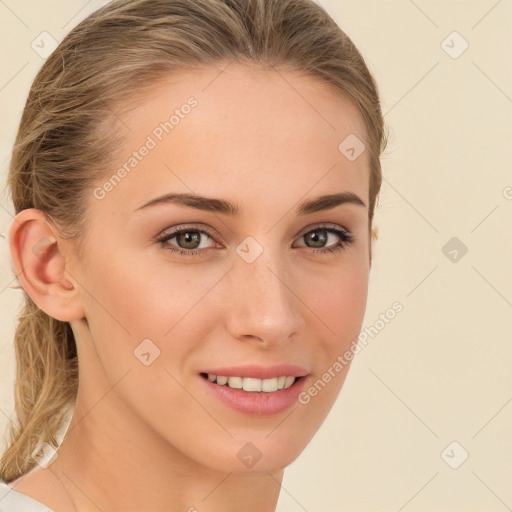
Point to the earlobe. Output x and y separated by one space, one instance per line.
40 265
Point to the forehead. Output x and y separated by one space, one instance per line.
240 132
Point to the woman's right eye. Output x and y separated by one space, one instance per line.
185 236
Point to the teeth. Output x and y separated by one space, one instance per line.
220 379
235 382
250 384
253 385
269 385
288 382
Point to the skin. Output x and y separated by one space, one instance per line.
152 437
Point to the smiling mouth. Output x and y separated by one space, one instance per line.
251 384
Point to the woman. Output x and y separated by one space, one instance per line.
194 185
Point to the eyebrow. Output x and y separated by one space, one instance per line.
225 207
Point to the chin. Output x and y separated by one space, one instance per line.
257 451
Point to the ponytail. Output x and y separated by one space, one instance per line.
46 384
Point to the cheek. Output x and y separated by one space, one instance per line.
130 308
137 307
339 311
340 304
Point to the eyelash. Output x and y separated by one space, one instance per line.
346 237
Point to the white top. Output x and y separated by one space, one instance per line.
14 501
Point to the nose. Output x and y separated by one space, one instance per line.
262 303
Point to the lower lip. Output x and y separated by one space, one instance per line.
256 403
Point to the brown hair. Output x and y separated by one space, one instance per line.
62 149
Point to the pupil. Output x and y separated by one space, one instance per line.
190 237
317 238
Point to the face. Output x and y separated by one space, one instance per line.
177 289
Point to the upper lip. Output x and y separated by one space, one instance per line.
259 372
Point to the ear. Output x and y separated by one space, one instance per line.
39 261
374 235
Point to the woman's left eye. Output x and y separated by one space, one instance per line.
189 240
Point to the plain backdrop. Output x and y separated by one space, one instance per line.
434 385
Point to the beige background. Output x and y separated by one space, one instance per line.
440 371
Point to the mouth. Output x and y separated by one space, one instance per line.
255 396
251 384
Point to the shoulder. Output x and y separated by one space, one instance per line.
13 501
